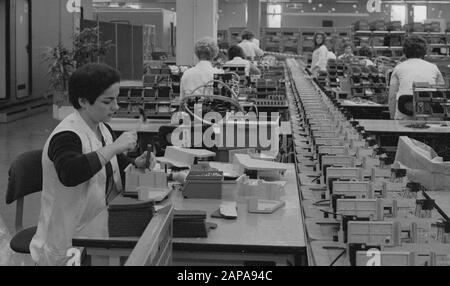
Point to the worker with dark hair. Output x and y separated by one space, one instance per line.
367 54
251 50
83 166
236 57
348 52
320 54
414 69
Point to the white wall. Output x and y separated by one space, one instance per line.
2 49
232 15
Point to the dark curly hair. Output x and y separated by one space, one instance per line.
365 52
90 81
346 45
235 51
415 47
247 35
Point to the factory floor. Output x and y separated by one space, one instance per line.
15 138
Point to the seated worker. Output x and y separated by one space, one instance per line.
365 52
414 69
320 54
251 50
236 56
220 60
348 52
82 166
330 48
206 51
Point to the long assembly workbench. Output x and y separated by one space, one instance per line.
354 205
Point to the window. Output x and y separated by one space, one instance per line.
398 13
420 13
274 16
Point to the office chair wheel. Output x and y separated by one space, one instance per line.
210 103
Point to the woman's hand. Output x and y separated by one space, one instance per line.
126 142
141 161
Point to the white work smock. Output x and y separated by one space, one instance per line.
66 211
251 50
403 77
238 61
319 60
196 77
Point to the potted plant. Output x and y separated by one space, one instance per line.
87 47
62 62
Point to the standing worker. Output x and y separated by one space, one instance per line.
320 54
414 69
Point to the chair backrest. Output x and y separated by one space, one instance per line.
25 176
406 104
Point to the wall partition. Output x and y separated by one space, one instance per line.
3 48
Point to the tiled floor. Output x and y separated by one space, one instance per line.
16 138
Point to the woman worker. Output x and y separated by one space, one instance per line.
82 166
237 57
367 54
206 51
348 52
320 54
250 46
414 69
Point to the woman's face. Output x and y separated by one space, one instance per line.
104 107
348 50
319 40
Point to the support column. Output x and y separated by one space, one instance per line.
254 17
196 19
3 32
264 14
409 14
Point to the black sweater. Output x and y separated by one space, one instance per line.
72 166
